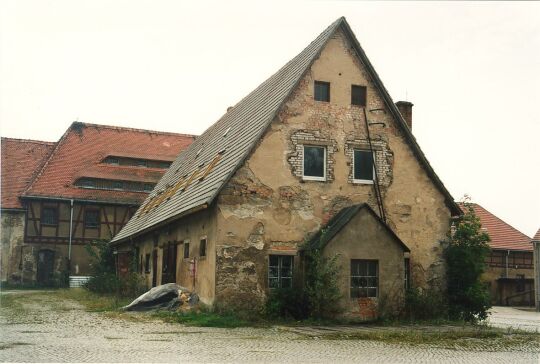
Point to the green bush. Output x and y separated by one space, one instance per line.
423 305
468 297
103 277
288 303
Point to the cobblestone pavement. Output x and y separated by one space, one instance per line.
51 331
528 320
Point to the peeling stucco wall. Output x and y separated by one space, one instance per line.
267 194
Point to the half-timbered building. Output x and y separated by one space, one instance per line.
83 188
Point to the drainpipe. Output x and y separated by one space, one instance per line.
70 235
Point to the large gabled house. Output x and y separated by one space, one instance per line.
57 197
319 145
510 269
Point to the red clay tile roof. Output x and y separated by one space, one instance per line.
20 160
503 236
536 236
82 148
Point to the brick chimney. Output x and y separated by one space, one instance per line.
405 108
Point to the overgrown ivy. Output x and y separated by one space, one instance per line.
468 296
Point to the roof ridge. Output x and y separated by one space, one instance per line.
501 220
23 140
127 128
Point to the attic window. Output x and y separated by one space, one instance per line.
88 183
148 187
142 163
117 185
113 160
358 95
322 91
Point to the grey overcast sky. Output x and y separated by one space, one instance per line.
472 71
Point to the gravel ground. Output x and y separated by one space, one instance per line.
51 331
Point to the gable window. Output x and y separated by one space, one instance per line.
364 278
314 164
280 268
322 91
186 249
91 219
49 216
363 166
358 95
202 247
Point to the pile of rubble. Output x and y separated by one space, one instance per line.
168 296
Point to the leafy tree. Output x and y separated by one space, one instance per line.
468 297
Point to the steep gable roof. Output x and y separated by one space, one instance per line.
82 148
340 220
21 159
503 235
244 126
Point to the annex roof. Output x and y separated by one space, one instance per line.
235 135
340 220
503 235
82 148
536 236
20 160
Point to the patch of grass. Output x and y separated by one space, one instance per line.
202 319
94 302
484 338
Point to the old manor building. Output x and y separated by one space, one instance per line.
57 197
318 144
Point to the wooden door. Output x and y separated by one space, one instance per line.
45 267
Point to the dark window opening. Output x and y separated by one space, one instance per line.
202 248
280 269
49 216
364 278
91 218
142 163
322 91
117 185
314 163
186 249
407 273
363 166
147 263
148 187
520 286
358 95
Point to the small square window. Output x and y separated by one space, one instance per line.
363 166
314 164
186 249
141 163
322 91
280 271
88 183
358 95
202 247
117 185
49 216
91 219
364 278
113 160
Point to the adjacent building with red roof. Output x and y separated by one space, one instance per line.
510 265
57 197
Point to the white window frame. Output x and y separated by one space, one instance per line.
363 181
313 178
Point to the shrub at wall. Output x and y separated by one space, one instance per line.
468 297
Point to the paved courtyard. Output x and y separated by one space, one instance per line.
51 331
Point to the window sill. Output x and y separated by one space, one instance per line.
362 182
317 179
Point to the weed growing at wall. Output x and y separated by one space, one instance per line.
468 297
104 279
